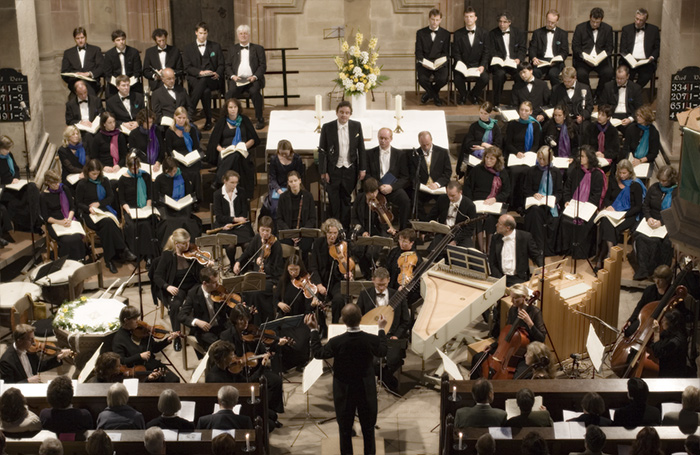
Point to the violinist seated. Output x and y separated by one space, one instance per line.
325 269
481 415
451 209
380 295
637 412
402 261
529 321
368 216
224 418
295 210
241 336
109 368
230 213
295 294
22 361
263 254
136 345
201 312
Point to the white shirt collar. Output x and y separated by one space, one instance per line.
225 193
510 236
19 351
354 329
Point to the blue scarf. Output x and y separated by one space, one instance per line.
488 130
178 185
643 146
236 123
102 193
10 163
529 133
79 151
547 185
666 203
623 202
141 192
186 136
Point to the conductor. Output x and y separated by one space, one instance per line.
354 387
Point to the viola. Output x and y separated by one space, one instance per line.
197 254
252 334
47 349
339 252
220 294
247 360
407 262
266 249
304 283
139 372
378 205
143 329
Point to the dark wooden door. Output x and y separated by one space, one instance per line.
488 10
218 14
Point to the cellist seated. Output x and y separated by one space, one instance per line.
529 322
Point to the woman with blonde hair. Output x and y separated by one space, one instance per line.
539 355
642 141
72 154
183 138
58 209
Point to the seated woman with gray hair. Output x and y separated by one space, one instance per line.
118 415
14 415
154 441
169 405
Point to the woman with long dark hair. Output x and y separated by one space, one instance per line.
148 140
109 145
522 135
482 134
561 133
135 191
670 345
281 165
173 184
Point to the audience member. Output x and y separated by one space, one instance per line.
481 415
593 408
637 412
154 441
647 442
534 444
62 417
529 418
51 446
692 444
690 411
99 443
169 405
593 442
225 418
485 445
15 417
223 444
118 415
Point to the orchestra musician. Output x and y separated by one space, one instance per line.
201 312
19 364
296 210
108 369
368 221
136 348
230 213
281 165
401 261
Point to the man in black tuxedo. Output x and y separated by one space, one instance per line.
547 43
122 60
593 37
168 97
341 159
204 65
368 223
471 48
573 94
84 59
199 309
83 108
246 65
623 95
385 159
510 250
432 43
225 419
125 104
159 57
18 365
505 42
380 295
354 387
643 41
434 172
531 89
453 208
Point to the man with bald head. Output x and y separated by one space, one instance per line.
169 96
509 252
389 166
435 170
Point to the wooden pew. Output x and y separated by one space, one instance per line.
559 394
131 442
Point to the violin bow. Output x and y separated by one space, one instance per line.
254 256
183 279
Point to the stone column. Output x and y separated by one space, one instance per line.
672 49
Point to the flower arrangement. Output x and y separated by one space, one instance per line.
83 316
358 70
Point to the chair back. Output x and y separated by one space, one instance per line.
75 281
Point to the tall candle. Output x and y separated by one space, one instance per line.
247 441
454 393
319 106
460 440
252 394
399 106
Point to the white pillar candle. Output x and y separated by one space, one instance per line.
247 441
319 106
454 393
460 440
399 106
252 394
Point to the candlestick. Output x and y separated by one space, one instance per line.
454 393
398 105
319 112
460 440
247 441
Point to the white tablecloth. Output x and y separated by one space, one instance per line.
298 128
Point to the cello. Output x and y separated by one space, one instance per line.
630 356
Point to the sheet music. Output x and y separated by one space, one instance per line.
450 367
132 386
501 432
312 372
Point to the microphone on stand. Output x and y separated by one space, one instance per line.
583 95
25 110
550 140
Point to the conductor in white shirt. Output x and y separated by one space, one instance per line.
510 250
245 71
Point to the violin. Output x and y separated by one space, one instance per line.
221 295
140 372
407 262
197 254
252 334
266 249
47 349
247 360
143 329
304 283
378 205
339 252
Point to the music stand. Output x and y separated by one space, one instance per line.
296 233
287 322
432 226
251 281
51 267
355 287
375 240
312 372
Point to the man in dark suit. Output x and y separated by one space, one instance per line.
122 59
17 365
481 415
125 104
390 167
245 71
623 95
547 43
510 250
471 48
434 172
225 419
368 223
643 41
354 387
199 309
159 57
531 89
432 43
380 295
341 159
637 413
204 65
506 42
84 107
168 97
525 400
453 208
593 37
84 59
573 94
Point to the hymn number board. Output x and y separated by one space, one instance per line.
685 90
14 89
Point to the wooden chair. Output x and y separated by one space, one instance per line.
626 235
22 312
76 281
90 238
189 340
51 245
